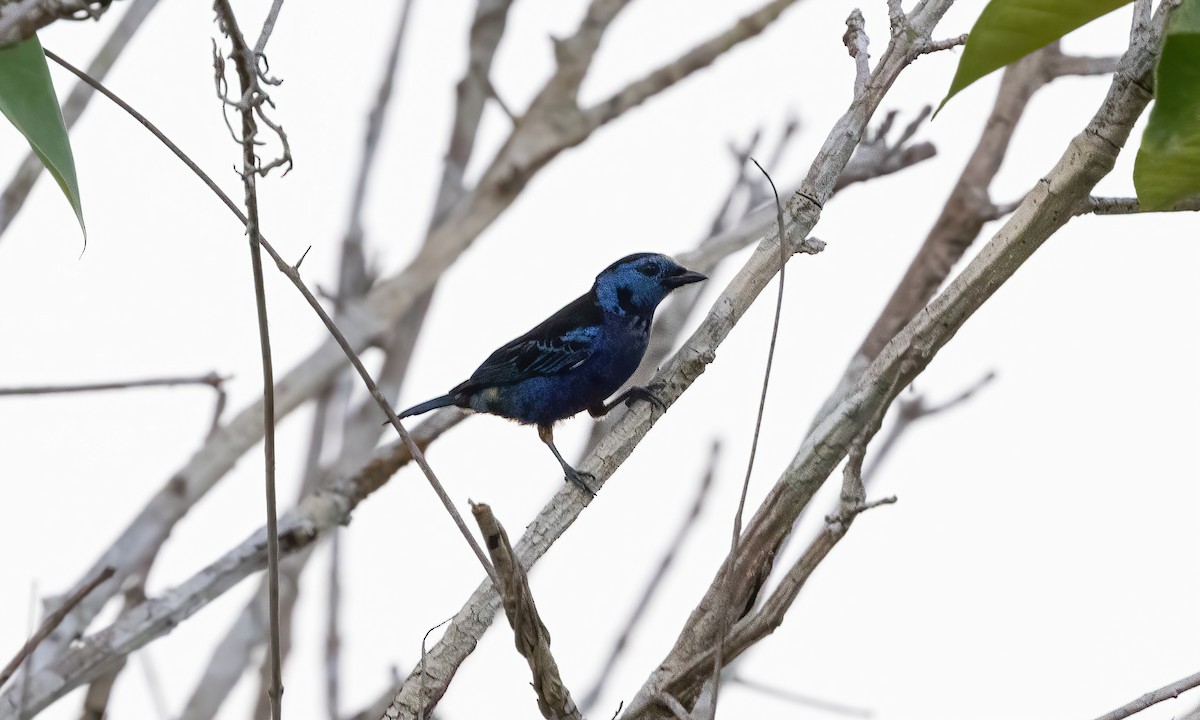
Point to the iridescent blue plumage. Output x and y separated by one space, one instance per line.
576 358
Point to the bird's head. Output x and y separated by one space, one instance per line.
636 284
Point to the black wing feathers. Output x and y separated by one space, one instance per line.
544 350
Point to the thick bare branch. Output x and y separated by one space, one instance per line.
21 19
695 59
52 620
966 210
1167 692
532 638
1089 157
422 689
875 156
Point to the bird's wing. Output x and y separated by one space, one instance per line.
564 341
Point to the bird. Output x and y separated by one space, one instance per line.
577 357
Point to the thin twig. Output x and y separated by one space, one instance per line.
718 655
1167 692
932 46
740 156
212 379
50 623
247 66
267 28
1129 205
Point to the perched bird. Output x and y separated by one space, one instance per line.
576 358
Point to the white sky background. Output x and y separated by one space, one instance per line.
1040 561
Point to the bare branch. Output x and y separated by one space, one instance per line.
95 701
1168 692
21 19
731 607
963 216
856 42
268 27
212 379
740 182
1063 65
52 620
695 59
145 535
423 688
1088 158
532 637
247 66
933 46
1127 205
876 156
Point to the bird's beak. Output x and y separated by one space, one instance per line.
687 277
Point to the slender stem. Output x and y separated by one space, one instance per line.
246 64
723 626
211 379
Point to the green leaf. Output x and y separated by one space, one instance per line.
1167 168
27 99
1008 30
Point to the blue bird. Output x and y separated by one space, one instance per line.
576 358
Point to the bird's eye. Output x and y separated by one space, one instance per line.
648 269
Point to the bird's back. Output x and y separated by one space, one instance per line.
571 361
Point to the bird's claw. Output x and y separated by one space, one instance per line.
576 478
644 392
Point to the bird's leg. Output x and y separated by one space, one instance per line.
637 392
546 433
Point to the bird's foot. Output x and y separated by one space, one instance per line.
644 392
576 478
637 392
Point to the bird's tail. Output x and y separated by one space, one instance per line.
428 405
